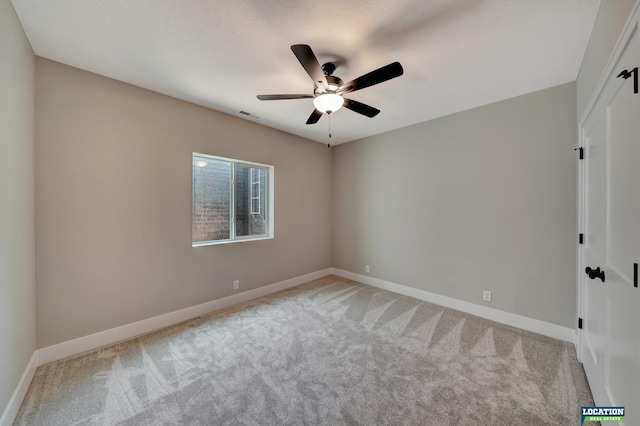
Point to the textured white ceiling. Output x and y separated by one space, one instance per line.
457 54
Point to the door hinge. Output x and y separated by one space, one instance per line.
580 323
626 74
635 275
580 238
580 151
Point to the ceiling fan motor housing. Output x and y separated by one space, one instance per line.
333 84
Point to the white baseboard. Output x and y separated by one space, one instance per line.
13 406
107 337
514 320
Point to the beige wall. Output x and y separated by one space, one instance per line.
483 199
113 204
17 272
610 21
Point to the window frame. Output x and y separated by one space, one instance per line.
269 204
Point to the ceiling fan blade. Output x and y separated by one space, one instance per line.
361 108
278 97
374 77
314 117
310 63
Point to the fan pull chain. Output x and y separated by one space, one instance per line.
329 127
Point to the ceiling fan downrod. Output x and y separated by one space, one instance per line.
328 68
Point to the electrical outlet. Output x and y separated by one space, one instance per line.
486 295
367 269
236 284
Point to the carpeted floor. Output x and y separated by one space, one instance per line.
329 352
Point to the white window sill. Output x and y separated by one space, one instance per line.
237 240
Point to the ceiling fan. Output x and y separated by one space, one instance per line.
328 89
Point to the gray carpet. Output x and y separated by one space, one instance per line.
329 352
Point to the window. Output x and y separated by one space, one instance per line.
232 200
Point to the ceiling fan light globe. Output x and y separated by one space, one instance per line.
328 102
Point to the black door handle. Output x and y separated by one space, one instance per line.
595 273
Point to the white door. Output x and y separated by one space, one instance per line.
593 315
610 221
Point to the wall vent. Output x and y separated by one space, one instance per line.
248 114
